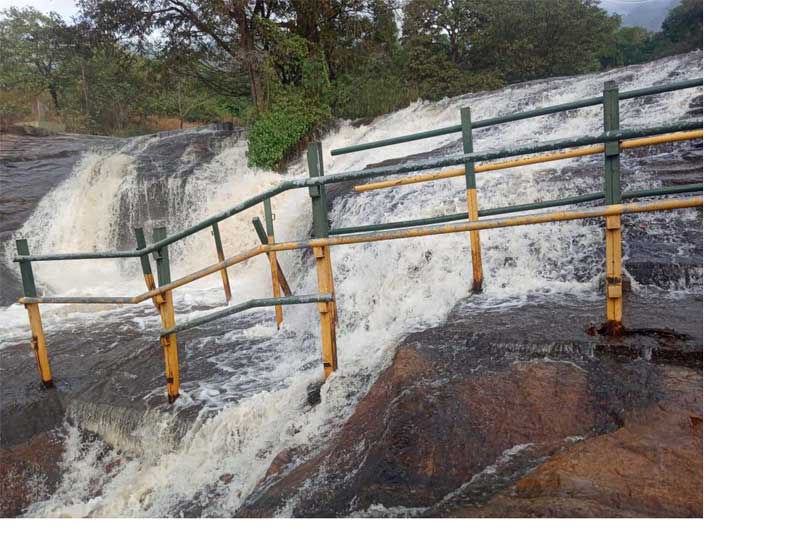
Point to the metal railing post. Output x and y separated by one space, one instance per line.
277 275
274 267
614 253
168 342
471 201
140 242
216 233
322 255
37 341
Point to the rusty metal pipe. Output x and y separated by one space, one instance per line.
587 151
558 216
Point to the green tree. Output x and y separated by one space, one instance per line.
286 66
371 79
232 29
682 30
448 25
529 39
630 45
438 36
35 48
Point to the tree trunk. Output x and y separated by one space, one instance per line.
307 19
247 53
54 96
253 78
85 85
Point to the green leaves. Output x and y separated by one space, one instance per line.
279 130
284 66
35 48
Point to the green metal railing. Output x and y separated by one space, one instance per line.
540 112
324 236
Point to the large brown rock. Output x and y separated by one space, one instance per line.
652 466
477 420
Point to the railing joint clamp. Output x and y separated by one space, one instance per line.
613 222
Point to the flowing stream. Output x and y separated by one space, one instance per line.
244 383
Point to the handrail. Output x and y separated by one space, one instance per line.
248 305
610 142
570 106
419 165
578 153
493 223
584 198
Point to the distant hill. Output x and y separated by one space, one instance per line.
645 13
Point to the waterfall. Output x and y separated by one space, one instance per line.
250 402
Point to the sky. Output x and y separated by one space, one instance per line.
65 8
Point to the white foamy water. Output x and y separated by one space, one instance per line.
253 406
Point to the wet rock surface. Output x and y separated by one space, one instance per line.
518 412
33 162
28 472
652 466
109 382
503 410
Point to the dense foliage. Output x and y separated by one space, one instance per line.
284 67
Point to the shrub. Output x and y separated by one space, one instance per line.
280 129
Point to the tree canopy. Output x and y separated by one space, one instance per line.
284 67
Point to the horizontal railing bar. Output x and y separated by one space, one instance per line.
570 106
482 168
399 224
557 216
628 208
191 277
660 89
593 196
86 300
664 191
223 215
576 153
105 255
427 134
611 210
383 171
457 128
462 216
252 304
247 204
484 156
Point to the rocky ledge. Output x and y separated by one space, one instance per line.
518 412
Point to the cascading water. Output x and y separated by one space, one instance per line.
244 383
